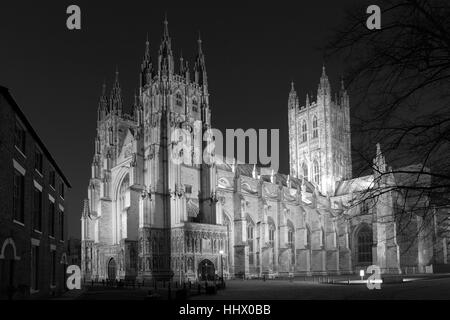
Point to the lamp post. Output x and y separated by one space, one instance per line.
221 264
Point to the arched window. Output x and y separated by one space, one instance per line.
305 170
271 232
304 131
315 128
316 172
308 237
179 99
322 238
194 105
364 240
291 236
250 228
364 208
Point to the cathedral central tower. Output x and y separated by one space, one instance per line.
319 136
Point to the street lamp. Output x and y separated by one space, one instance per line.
361 274
221 263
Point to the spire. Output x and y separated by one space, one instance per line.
199 42
292 96
86 211
146 66
103 103
379 163
307 100
116 96
324 74
200 66
166 27
324 89
165 60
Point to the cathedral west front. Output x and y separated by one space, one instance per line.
147 217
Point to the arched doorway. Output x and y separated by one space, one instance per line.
112 269
206 270
7 272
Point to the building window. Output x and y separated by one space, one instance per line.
52 179
37 209
308 238
38 161
364 208
365 243
271 233
179 99
35 267
250 244
19 137
61 225
315 128
188 188
51 219
18 196
53 268
304 131
290 237
194 105
316 172
305 170
62 190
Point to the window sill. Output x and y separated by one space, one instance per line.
52 286
51 237
20 152
37 231
39 173
19 223
52 187
32 291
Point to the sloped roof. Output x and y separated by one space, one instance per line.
353 185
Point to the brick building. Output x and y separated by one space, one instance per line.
32 213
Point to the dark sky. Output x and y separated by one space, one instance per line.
253 52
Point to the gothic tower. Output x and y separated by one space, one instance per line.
319 136
141 197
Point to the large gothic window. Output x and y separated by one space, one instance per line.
250 229
308 238
316 172
304 131
364 208
194 105
315 128
179 99
305 170
271 232
364 245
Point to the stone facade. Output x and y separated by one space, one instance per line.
148 217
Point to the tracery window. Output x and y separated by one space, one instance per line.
304 131
194 105
305 170
315 128
364 246
179 99
316 172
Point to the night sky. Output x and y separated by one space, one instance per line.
253 51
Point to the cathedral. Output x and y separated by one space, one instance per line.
147 217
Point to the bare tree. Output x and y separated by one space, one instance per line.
399 78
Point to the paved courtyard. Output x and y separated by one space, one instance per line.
285 290
437 288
